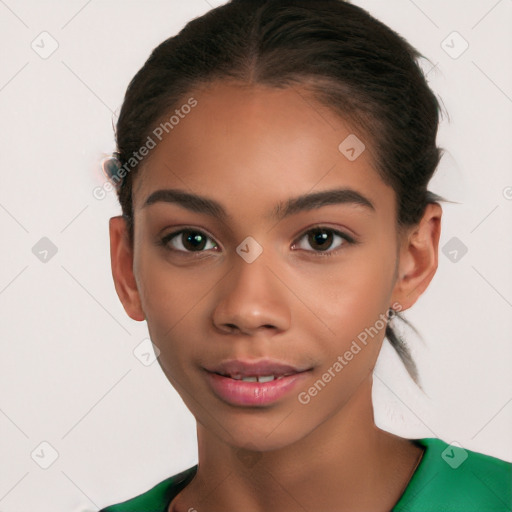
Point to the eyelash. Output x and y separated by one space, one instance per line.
331 252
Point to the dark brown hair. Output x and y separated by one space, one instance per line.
349 61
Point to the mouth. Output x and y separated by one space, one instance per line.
264 370
254 378
249 383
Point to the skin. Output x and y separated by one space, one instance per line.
249 148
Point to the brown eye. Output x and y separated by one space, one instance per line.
322 239
188 240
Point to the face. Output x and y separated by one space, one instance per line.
273 287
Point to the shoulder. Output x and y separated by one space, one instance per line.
451 478
157 498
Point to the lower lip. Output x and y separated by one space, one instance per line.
239 392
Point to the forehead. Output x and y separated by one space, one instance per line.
258 144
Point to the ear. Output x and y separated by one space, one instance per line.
418 258
121 258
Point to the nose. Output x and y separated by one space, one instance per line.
252 298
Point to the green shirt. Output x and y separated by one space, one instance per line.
447 479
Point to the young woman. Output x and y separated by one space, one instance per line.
272 166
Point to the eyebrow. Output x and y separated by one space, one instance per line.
306 202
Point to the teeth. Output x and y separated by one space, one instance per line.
261 378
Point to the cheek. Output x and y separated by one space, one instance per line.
353 295
169 297
351 302
168 292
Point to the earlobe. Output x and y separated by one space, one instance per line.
418 258
121 258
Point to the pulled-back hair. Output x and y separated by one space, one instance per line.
349 61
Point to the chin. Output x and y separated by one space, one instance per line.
247 432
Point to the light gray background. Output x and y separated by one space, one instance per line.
68 374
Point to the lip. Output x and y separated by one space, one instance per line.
242 393
254 368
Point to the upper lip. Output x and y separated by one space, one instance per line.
258 368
